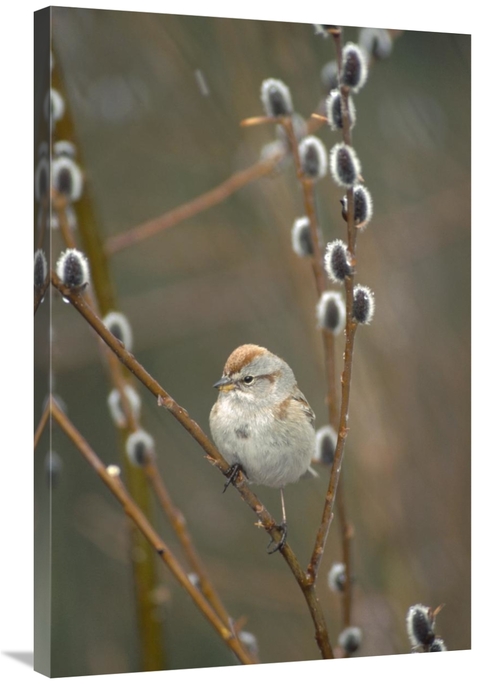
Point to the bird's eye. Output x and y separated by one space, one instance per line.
248 379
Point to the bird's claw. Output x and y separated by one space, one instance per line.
232 474
273 546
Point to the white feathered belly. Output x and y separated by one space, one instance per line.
271 452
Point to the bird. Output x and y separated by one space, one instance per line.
262 423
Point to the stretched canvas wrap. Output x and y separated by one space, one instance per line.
298 193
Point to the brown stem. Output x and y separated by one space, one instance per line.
321 285
334 485
181 415
317 239
175 516
327 516
191 208
115 484
178 523
345 527
60 204
204 201
346 532
41 425
318 270
328 347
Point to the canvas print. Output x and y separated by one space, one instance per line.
252 342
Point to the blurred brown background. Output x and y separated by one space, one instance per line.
149 140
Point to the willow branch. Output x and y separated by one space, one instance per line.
346 532
317 268
350 331
211 453
41 425
205 201
328 348
179 526
116 486
189 209
327 516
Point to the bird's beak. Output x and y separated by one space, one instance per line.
225 384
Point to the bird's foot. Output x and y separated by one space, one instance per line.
274 546
232 474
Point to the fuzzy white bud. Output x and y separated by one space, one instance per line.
54 106
330 76
354 67
313 157
350 639
139 447
363 206
330 312
337 261
420 625
375 42
115 406
301 237
363 306
325 445
333 106
336 577
40 269
119 325
276 98
73 269
344 165
67 178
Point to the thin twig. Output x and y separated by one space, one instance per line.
179 526
191 208
346 533
327 335
215 458
41 425
60 204
208 199
350 330
327 516
318 270
115 484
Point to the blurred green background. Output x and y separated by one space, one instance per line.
149 140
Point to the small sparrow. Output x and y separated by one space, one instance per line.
261 422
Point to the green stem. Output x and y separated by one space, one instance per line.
150 632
